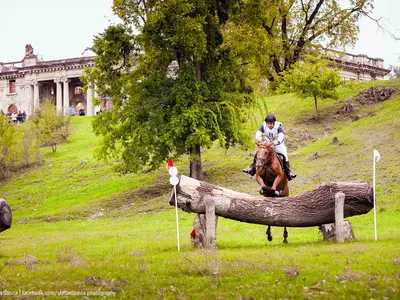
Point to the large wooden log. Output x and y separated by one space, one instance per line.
5 215
312 208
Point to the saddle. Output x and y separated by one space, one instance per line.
282 159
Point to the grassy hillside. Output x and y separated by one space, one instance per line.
78 226
66 187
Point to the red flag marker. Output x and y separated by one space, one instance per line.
170 163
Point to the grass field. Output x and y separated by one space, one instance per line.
81 229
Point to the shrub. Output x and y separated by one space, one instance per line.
51 128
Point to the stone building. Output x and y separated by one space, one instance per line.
26 84
359 67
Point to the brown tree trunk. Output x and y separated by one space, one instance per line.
196 170
312 208
5 215
316 106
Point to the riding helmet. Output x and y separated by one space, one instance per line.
270 118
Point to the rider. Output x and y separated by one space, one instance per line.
274 131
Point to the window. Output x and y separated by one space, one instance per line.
12 86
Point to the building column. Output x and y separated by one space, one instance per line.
35 96
66 95
89 102
29 99
1 94
58 95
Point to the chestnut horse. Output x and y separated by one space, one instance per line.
271 177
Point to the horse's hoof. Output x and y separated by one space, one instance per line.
270 238
285 241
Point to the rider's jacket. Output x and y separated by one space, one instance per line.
276 134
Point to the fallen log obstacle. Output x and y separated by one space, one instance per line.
313 208
5 215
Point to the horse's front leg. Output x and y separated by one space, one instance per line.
277 181
260 181
285 235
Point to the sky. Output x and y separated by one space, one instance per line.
59 29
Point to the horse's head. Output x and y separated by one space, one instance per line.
264 154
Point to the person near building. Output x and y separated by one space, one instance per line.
14 117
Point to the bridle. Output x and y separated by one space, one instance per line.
264 162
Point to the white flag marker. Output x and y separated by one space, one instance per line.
174 180
377 157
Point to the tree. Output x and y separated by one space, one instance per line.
394 71
312 78
272 35
51 128
174 87
9 140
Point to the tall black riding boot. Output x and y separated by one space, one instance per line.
251 170
286 169
290 174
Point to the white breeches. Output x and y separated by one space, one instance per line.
281 148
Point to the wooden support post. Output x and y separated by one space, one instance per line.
339 216
210 224
329 231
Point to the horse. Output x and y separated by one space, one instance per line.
271 177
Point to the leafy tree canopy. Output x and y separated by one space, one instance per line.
174 87
312 78
394 72
272 35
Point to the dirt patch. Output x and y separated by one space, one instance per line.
370 96
374 95
137 253
348 275
68 255
292 272
108 284
28 261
